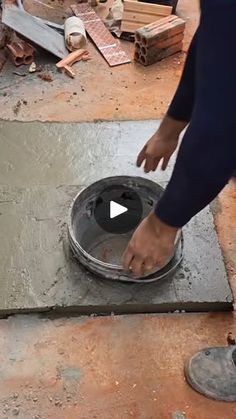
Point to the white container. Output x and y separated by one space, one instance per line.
75 35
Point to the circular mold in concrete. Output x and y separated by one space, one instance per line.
99 249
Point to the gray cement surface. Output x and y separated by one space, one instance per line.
42 167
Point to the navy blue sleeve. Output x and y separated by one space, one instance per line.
182 104
207 155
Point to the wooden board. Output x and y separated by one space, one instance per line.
141 7
34 30
132 27
139 18
137 14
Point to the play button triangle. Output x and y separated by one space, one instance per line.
116 209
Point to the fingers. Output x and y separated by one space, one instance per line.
132 263
165 163
149 164
149 265
139 267
136 266
141 156
127 259
156 162
152 164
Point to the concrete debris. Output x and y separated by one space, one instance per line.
178 415
58 403
46 76
230 339
32 67
15 411
17 107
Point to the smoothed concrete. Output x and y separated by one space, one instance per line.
42 167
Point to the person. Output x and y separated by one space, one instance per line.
204 104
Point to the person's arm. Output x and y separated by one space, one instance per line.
182 104
163 143
207 155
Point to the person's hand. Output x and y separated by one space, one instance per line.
156 149
151 246
161 145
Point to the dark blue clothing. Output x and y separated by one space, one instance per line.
206 96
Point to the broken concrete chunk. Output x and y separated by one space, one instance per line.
32 68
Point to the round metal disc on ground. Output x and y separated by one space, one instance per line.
99 237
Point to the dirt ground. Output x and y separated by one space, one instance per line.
99 92
127 367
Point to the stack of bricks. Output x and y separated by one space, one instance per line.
159 40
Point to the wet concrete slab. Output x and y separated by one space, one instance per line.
42 167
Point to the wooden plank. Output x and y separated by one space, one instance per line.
131 27
34 30
136 6
139 17
138 14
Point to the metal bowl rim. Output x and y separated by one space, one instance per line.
86 255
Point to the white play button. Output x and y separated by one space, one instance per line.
116 209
